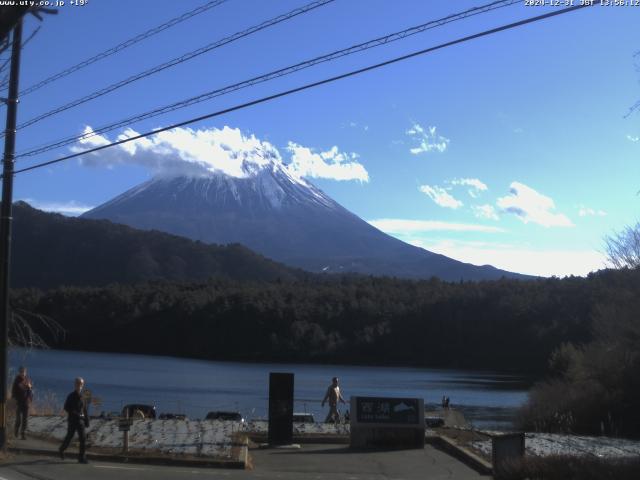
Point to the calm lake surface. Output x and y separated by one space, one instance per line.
194 387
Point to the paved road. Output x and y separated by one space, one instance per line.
312 462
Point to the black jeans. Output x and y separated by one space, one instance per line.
74 426
22 418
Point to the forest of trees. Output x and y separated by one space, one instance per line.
504 325
593 387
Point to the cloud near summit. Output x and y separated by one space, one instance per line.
201 152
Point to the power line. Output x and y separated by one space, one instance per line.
6 63
275 74
178 60
313 85
126 44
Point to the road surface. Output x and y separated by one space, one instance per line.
311 462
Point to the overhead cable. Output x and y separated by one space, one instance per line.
275 74
126 44
177 61
311 85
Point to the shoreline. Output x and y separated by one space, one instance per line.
196 387
531 376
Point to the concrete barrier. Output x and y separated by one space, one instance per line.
449 446
506 448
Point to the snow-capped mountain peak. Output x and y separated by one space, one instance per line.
280 215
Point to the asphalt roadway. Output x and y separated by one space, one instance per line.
311 462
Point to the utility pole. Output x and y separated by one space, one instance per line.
9 17
6 220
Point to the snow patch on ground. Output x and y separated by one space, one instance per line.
261 426
210 438
187 437
543 444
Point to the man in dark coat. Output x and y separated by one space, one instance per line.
21 392
77 420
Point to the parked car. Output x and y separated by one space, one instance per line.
139 410
218 415
303 418
172 416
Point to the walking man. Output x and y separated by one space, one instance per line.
21 392
77 420
333 395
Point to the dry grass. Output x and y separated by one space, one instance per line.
565 467
46 403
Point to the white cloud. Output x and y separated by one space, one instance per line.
520 259
427 140
358 126
530 206
633 139
70 208
440 196
476 185
485 211
513 258
404 227
590 212
331 164
185 151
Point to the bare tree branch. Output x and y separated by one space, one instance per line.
623 248
24 333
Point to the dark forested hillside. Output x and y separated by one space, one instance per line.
505 324
50 250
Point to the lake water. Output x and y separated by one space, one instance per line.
194 387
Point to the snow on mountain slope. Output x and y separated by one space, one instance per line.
282 217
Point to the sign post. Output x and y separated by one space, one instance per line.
124 425
387 422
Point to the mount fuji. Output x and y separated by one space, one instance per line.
283 217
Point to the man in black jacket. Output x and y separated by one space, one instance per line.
77 420
21 392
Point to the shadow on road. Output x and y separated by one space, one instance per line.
330 451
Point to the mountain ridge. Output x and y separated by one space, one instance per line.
281 217
50 250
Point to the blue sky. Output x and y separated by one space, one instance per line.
511 150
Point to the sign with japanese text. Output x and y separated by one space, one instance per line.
388 410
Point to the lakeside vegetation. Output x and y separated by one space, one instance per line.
594 387
503 325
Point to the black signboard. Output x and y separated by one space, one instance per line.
388 410
124 424
280 408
